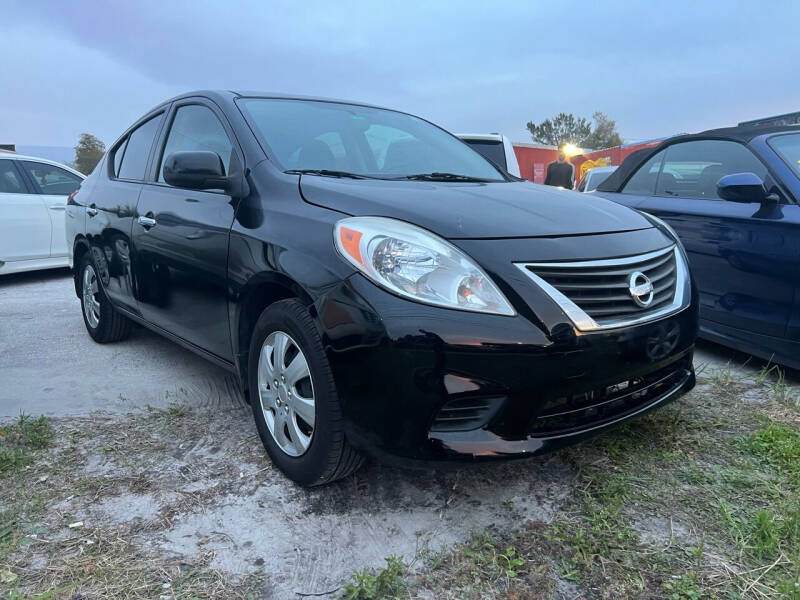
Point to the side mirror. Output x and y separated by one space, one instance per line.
200 170
744 187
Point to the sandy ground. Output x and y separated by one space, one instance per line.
211 492
50 366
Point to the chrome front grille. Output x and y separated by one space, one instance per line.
603 294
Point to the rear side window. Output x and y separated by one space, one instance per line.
140 141
52 180
692 169
643 182
118 154
197 128
490 149
10 182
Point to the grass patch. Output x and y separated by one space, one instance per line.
697 500
779 445
20 439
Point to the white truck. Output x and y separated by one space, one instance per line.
495 147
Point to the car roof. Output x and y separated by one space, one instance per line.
608 169
227 95
15 156
488 137
744 133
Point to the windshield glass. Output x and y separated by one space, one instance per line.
372 142
788 147
595 177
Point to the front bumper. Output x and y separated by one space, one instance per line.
421 382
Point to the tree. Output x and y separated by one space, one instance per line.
604 134
88 153
568 129
562 129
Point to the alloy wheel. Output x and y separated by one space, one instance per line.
286 393
91 291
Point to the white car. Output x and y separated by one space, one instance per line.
495 147
594 177
33 202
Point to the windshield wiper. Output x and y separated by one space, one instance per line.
326 173
437 176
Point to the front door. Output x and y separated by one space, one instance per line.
109 218
180 238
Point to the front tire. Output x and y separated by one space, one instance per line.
102 320
294 399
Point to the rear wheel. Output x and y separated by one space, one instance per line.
102 320
294 399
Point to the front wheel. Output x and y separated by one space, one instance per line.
294 399
102 320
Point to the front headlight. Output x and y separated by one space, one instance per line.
417 264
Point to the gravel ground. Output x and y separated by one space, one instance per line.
180 474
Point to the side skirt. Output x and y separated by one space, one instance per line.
225 364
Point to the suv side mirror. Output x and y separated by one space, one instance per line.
744 187
199 170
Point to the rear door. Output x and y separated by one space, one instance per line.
25 230
734 248
53 184
181 236
111 209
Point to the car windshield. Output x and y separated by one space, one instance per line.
595 178
344 139
788 147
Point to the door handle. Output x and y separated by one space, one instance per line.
91 211
58 208
146 222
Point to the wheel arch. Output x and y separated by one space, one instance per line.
79 247
261 291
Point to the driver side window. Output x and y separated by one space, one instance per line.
692 169
196 128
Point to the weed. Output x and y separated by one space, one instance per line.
385 584
764 534
724 378
684 588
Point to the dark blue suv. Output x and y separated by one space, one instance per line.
732 197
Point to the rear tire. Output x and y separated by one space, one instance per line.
294 399
102 320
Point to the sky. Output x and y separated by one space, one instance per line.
657 68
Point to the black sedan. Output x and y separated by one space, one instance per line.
379 287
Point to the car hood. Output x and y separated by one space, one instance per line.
474 210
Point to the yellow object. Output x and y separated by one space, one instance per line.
591 164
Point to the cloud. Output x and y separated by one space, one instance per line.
657 68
